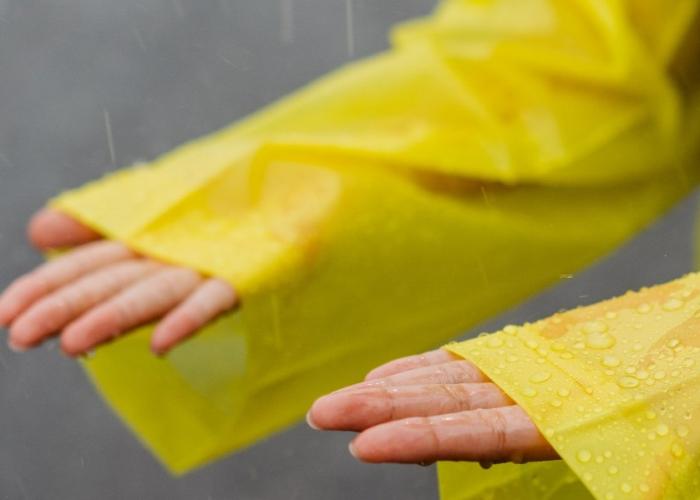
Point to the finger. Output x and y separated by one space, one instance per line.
145 301
495 435
52 229
363 408
211 299
55 274
54 312
436 357
453 372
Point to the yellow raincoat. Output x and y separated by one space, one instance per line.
396 203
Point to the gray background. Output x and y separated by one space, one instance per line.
159 72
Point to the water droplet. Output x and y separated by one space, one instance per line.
628 382
579 345
673 343
595 327
564 393
549 432
637 347
495 342
660 375
687 415
566 355
662 430
529 392
584 456
607 454
650 414
642 374
688 362
644 308
600 340
587 476
511 329
677 450
611 361
626 488
682 431
540 377
531 344
644 488
672 304
558 347
612 470
555 403
611 315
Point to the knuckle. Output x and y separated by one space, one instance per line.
466 369
436 441
454 373
496 426
391 400
458 397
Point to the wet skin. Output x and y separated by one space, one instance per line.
413 410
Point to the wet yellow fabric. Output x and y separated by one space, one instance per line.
612 386
393 205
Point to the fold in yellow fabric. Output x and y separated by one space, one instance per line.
612 386
393 205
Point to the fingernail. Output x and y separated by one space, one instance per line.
310 422
352 450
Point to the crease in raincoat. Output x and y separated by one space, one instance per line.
393 205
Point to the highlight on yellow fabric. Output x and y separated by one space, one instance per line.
613 387
389 207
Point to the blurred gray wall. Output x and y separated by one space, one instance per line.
157 73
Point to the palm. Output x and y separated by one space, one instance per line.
101 289
427 408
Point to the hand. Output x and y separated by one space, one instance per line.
431 407
101 289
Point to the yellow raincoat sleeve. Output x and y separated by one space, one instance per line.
394 204
614 389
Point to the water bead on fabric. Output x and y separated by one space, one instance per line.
617 410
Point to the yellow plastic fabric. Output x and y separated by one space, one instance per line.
613 387
391 206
